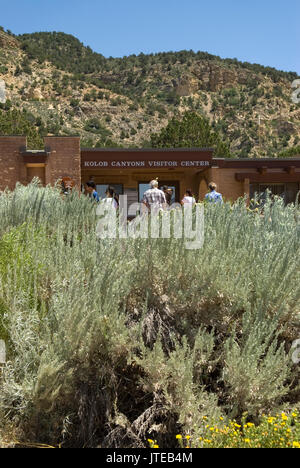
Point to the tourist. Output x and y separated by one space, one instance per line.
168 194
188 198
90 188
111 197
154 198
64 189
213 195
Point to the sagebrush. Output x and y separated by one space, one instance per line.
111 342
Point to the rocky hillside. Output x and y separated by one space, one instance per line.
62 87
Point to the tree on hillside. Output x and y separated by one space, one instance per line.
192 131
290 153
14 122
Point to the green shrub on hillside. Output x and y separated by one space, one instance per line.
191 131
14 122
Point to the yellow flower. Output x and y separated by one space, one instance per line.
247 441
155 446
296 445
151 441
179 436
294 415
188 437
284 416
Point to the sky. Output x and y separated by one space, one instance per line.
257 31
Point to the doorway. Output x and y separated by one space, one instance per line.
174 185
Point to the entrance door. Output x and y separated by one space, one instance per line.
36 171
171 184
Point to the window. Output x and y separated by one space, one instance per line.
174 185
275 189
101 189
288 191
143 187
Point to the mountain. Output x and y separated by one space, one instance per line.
60 86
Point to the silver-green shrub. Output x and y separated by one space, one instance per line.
112 341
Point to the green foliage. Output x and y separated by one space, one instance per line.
69 54
278 431
151 85
14 122
115 340
291 152
94 125
63 50
192 131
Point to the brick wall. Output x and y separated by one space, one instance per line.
64 160
228 186
12 168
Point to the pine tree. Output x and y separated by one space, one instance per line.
192 131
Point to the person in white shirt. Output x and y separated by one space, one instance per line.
111 197
188 198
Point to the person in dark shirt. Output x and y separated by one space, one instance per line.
90 188
168 194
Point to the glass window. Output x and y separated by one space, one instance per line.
143 187
101 189
275 189
174 185
287 191
173 193
291 192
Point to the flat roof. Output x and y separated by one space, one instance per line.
142 150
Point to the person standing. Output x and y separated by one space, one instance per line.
213 196
168 194
111 197
90 188
154 198
188 198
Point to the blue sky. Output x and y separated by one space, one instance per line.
260 31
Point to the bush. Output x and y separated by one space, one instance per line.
279 431
115 341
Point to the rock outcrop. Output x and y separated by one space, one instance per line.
8 41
